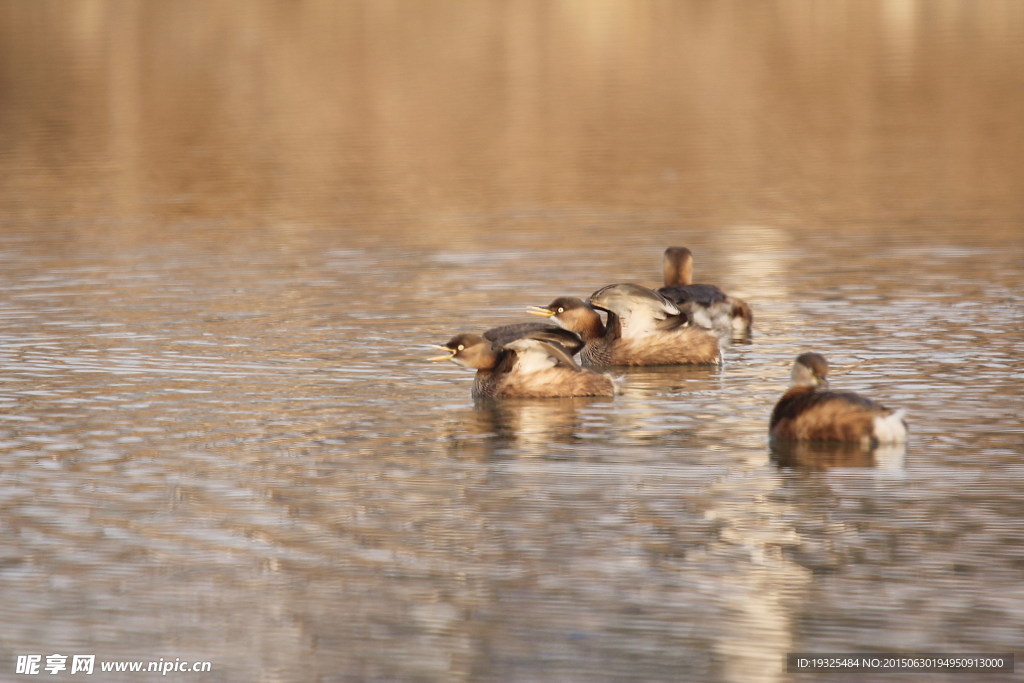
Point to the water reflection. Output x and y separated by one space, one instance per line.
537 427
667 380
824 455
445 118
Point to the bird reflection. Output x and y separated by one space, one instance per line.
520 426
817 455
659 380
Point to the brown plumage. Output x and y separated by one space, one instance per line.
809 412
708 305
643 328
531 365
540 331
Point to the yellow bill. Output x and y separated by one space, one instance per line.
449 353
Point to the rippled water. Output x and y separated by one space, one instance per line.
231 231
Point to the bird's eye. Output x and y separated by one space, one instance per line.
561 310
461 347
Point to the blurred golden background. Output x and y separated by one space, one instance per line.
422 115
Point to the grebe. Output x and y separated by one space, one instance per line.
708 305
809 412
643 328
531 364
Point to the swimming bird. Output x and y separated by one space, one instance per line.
708 305
809 412
525 363
643 328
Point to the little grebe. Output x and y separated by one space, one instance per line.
528 363
643 328
809 412
708 305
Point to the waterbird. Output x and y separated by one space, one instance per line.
528 360
642 328
808 411
708 305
